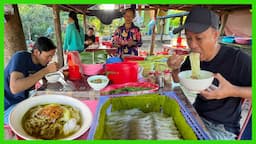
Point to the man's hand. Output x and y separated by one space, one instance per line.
225 89
175 61
88 42
52 67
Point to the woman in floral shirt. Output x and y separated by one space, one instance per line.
127 38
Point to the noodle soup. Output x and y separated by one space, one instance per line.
54 108
51 121
196 85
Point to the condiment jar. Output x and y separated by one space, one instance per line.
167 78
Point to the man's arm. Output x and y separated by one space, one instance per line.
175 75
244 92
20 83
174 62
226 89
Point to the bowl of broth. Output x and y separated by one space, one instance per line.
195 85
54 77
50 117
98 82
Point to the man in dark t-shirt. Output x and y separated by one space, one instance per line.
89 37
24 70
219 108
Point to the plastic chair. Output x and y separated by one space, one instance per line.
246 121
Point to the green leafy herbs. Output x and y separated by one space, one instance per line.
127 89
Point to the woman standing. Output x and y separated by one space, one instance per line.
74 39
127 38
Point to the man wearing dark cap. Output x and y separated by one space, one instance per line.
219 108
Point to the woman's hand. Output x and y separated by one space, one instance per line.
131 43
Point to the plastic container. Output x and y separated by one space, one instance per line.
108 44
74 65
113 60
74 72
243 40
146 103
133 58
92 69
123 72
200 133
228 39
73 58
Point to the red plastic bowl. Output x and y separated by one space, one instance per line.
133 58
92 69
242 40
107 44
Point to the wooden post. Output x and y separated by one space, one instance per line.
223 23
14 39
153 36
85 25
56 17
181 20
162 25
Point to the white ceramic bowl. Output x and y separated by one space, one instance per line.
15 119
102 83
196 85
54 77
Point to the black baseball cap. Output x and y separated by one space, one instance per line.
198 20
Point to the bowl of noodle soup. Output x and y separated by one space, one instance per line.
195 80
195 85
50 117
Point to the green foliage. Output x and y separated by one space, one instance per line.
175 22
35 19
101 29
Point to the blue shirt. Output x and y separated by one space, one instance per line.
20 62
74 40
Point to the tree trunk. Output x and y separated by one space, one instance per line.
14 39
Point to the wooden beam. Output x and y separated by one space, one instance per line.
153 36
79 10
56 17
64 8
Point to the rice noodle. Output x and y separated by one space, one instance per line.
47 121
195 64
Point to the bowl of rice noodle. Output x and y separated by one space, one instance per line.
50 117
195 80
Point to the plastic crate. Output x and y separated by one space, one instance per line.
201 134
104 99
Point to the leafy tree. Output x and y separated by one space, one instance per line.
35 20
